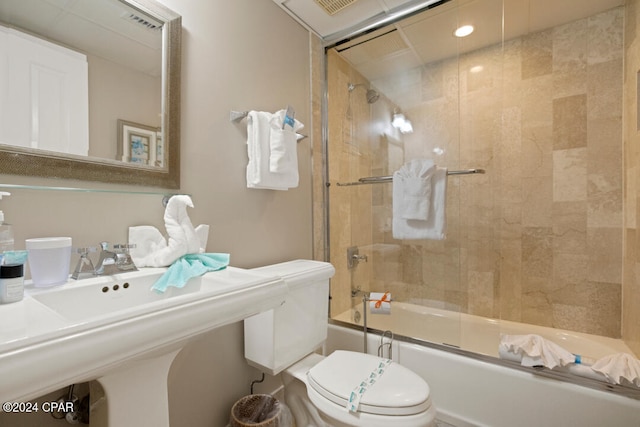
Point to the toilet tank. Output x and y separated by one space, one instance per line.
278 338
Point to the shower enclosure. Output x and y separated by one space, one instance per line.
534 98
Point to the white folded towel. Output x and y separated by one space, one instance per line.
414 181
619 367
534 350
260 125
283 152
409 201
152 250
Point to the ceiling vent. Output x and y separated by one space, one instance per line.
143 21
334 6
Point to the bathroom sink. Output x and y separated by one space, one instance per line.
130 294
117 327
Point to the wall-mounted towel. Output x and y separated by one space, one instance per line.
273 158
419 201
283 141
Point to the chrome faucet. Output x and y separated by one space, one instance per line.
116 261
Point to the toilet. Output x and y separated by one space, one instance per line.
318 389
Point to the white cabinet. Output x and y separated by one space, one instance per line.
44 98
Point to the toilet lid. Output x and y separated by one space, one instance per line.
398 391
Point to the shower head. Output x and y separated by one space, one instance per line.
372 95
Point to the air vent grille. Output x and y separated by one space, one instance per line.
150 25
334 6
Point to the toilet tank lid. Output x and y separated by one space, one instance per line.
298 271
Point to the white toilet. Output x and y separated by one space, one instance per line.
318 388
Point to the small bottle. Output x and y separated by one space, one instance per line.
11 283
6 230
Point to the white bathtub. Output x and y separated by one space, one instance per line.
475 391
474 333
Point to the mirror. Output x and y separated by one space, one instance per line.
129 132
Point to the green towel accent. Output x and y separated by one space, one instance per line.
188 266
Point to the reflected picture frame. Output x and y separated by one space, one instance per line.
140 144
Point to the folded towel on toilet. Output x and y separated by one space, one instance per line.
153 250
533 350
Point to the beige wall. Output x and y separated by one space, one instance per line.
538 239
237 55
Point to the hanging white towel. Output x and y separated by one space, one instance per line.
259 175
407 203
283 154
414 197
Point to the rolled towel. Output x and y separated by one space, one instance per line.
533 350
380 303
145 240
151 249
619 367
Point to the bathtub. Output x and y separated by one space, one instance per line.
476 334
471 386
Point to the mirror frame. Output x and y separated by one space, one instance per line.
47 164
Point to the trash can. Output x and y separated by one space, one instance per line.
259 410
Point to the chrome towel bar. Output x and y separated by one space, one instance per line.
389 178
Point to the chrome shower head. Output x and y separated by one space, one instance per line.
372 95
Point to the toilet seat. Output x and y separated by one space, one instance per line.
397 392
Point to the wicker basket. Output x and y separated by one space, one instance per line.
251 411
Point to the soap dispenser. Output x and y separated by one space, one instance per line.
6 231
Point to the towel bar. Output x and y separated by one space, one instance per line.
389 178
236 116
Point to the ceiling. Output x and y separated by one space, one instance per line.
401 48
534 15
428 36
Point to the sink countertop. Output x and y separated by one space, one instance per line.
76 332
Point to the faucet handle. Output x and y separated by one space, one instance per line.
83 252
84 266
104 246
124 247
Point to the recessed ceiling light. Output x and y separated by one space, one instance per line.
463 31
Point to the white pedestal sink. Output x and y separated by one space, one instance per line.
116 330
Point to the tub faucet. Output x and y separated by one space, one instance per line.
354 257
116 261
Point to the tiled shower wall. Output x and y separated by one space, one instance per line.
538 238
631 277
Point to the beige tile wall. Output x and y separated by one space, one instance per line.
538 239
631 283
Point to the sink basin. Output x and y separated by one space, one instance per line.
130 294
116 326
